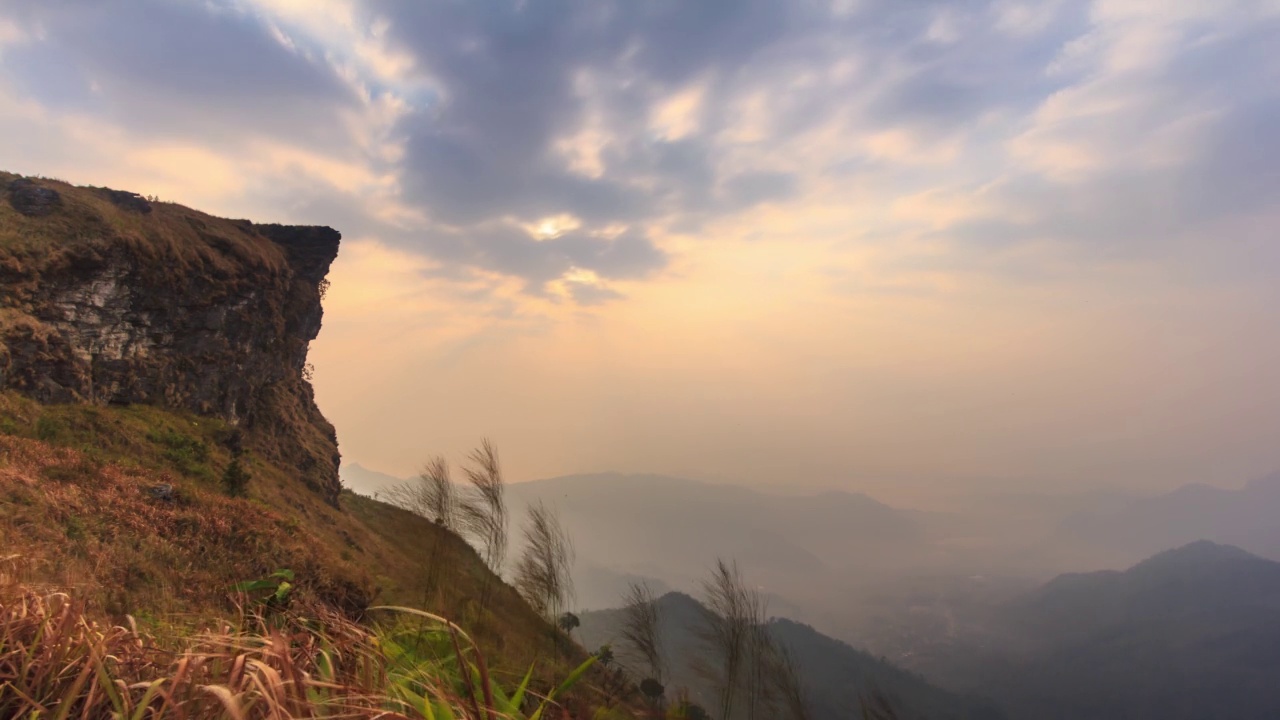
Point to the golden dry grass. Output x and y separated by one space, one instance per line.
57 661
95 528
74 503
184 237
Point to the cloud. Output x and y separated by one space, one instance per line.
454 129
176 70
519 83
1160 137
852 215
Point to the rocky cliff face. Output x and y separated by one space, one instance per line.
107 298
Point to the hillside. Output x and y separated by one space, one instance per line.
835 674
1189 633
145 348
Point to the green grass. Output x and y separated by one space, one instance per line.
187 454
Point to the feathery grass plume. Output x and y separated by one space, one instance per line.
785 682
484 513
542 574
744 661
640 629
760 646
724 633
431 495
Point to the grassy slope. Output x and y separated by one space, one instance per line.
76 513
77 482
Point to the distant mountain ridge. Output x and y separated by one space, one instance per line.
1244 517
360 479
673 529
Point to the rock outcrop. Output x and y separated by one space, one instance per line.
31 199
106 298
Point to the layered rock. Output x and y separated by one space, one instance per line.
107 298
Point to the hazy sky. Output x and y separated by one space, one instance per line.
899 245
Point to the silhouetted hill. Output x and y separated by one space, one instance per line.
1189 633
835 674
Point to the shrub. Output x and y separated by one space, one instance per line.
50 429
189 455
235 479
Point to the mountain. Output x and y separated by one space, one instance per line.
835 675
360 479
673 529
1193 632
1243 517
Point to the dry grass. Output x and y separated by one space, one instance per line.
186 238
95 527
74 501
56 661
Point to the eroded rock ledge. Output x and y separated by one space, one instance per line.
107 298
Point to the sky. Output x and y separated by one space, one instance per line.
909 247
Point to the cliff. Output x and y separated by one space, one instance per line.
107 298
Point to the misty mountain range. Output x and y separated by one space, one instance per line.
1016 598
807 548
1245 517
1190 633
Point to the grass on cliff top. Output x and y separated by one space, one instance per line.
172 231
76 507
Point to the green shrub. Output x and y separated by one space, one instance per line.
189 455
50 429
235 479
74 527
279 584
